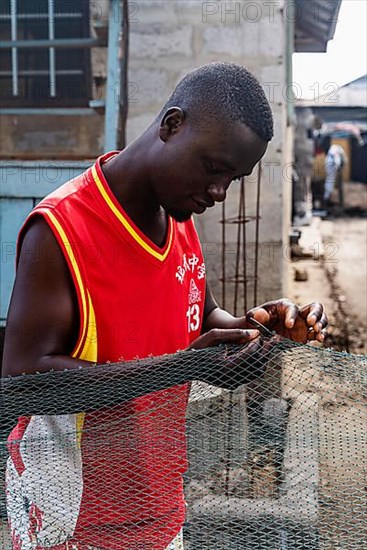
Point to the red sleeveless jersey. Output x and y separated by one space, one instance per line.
115 479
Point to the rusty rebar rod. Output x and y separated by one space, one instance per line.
257 231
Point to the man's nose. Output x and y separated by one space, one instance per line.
217 191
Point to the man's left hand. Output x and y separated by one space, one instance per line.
299 324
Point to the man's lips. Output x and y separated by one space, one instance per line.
203 205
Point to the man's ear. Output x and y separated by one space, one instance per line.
171 122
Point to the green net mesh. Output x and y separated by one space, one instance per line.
276 453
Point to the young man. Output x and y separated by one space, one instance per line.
110 266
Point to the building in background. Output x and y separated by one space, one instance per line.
341 119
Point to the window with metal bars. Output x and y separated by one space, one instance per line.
45 54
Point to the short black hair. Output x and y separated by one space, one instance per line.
224 91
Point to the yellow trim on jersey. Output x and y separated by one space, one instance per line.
126 224
69 251
90 348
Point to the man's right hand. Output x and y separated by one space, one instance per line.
217 336
235 365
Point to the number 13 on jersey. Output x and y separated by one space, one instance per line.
193 317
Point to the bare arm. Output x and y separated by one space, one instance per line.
42 325
215 317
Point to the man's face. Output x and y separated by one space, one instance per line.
196 165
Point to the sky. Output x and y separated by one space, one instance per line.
345 59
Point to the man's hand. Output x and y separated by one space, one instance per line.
234 365
232 368
299 324
217 336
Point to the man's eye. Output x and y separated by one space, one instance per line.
215 171
210 167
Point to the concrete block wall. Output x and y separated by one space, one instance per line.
168 39
53 137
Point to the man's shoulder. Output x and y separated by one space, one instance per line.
67 190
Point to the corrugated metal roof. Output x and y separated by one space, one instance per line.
315 22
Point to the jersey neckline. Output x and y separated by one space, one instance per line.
160 253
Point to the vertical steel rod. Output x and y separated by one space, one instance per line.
257 227
14 50
51 51
223 255
238 253
244 251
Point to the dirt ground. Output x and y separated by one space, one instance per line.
336 270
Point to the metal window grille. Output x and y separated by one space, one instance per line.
45 58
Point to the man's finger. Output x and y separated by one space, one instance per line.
319 336
291 315
258 313
324 321
235 335
221 336
312 313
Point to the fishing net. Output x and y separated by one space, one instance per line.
275 434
